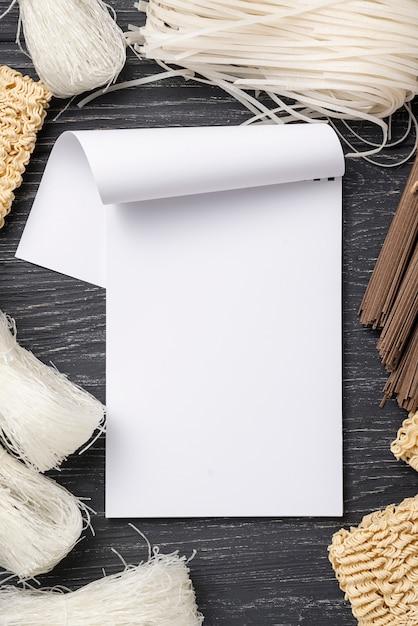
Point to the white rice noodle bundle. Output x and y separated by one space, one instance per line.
158 592
75 45
355 60
40 521
44 417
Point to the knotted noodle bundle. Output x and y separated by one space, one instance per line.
156 593
40 521
75 45
313 58
44 417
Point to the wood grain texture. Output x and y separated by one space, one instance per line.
246 571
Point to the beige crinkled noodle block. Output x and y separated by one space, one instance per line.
23 104
376 565
405 446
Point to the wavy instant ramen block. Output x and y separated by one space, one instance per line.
405 446
23 104
376 565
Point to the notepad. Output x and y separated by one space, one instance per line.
220 250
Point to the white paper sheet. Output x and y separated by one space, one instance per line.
223 311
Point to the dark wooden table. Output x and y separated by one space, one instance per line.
247 571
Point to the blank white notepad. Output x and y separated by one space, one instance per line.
220 249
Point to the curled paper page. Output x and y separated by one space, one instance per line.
220 249
88 169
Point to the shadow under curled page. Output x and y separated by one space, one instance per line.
220 254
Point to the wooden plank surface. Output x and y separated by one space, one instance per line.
246 571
